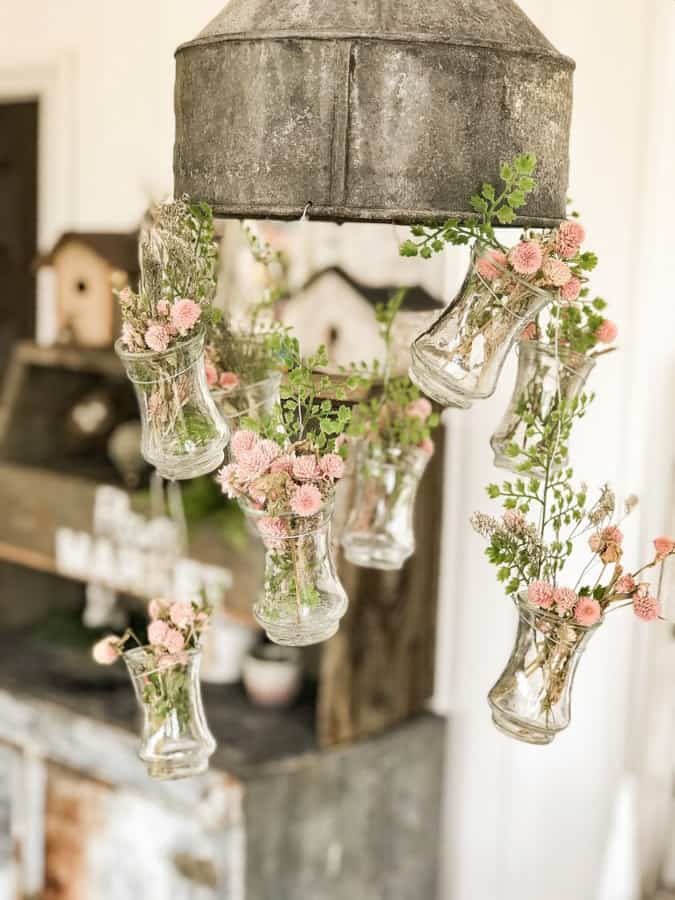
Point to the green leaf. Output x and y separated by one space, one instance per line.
488 192
505 215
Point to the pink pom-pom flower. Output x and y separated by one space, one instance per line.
157 337
556 272
645 606
526 257
332 466
587 611
570 237
306 500
305 468
565 599
184 314
243 441
228 381
181 613
106 651
173 640
157 632
570 291
540 593
663 546
607 332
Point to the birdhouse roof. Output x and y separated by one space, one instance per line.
417 298
119 249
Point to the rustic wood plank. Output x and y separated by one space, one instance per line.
36 502
379 668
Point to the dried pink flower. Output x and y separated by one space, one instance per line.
427 446
251 464
419 409
332 466
663 546
226 478
625 585
211 374
556 272
305 468
565 599
163 307
126 296
272 527
306 500
526 257
529 332
173 640
131 337
513 520
271 450
571 290
156 607
157 337
181 613
228 381
540 593
243 441
106 651
587 611
645 606
157 632
486 264
569 239
184 314
612 535
606 332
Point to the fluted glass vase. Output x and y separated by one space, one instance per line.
247 400
303 600
183 433
175 738
547 381
531 700
379 533
458 359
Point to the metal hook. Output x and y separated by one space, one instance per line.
304 217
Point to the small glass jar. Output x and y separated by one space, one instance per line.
303 599
379 533
531 700
175 738
458 359
183 433
546 382
247 400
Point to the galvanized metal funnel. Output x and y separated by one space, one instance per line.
372 110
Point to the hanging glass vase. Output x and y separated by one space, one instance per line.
379 533
531 699
175 738
303 600
459 357
247 400
183 433
546 382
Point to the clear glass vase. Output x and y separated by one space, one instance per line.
247 400
175 739
459 357
531 699
183 433
379 533
546 382
303 600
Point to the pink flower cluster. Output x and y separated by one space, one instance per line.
174 628
172 320
293 482
586 610
607 544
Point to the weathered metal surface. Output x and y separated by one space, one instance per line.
361 822
370 110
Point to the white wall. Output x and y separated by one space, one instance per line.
527 822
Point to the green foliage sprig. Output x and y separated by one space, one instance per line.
493 207
385 417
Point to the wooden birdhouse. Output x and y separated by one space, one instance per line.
88 266
336 310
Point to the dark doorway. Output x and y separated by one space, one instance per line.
18 223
